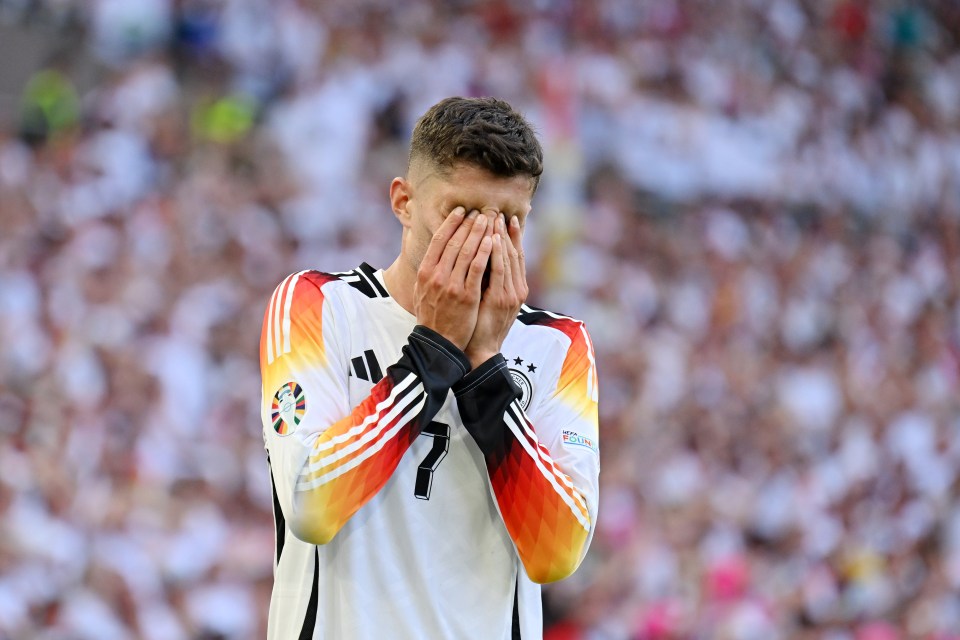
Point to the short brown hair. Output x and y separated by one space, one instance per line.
484 132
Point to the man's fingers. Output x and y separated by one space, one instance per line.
464 257
443 235
452 249
479 264
496 263
508 268
516 238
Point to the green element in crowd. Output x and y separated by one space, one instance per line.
50 106
225 120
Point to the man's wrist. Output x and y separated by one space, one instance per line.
477 358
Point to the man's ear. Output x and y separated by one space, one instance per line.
401 195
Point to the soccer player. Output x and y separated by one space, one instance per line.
432 441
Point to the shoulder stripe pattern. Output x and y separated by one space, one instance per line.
592 382
278 313
363 278
285 314
573 329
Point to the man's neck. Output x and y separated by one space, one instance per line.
400 279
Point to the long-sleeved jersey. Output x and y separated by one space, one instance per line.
415 498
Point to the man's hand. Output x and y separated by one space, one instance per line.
446 297
505 293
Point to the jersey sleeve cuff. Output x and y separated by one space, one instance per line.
483 396
442 363
480 375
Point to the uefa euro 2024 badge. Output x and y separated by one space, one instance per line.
289 405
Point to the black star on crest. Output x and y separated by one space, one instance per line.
531 367
518 360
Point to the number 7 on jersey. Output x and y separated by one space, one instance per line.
441 443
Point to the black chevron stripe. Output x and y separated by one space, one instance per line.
359 368
376 375
370 273
278 518
532 315
310 618
515 627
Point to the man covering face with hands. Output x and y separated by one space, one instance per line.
441 457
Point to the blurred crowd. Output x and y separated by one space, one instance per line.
755 205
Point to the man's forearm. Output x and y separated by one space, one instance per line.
353 459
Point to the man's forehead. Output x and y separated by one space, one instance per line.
460 179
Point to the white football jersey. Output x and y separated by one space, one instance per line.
414 498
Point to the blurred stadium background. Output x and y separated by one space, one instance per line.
754 204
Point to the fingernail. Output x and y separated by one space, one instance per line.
515 222
459 211
473 214
481 222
